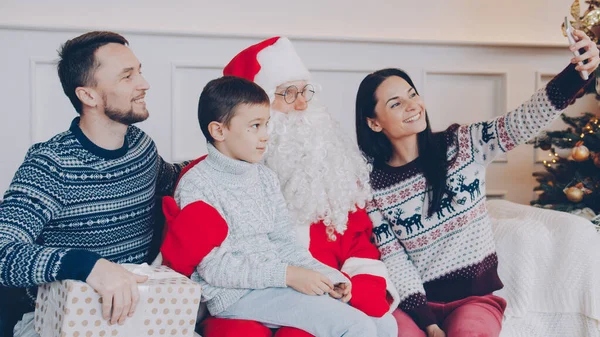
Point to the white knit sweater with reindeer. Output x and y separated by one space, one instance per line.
451 255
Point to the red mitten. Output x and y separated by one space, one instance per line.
191 234
369 294
170 209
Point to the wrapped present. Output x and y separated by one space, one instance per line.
168 306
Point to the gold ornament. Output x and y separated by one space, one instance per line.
574 194
580 152
589 22
597 160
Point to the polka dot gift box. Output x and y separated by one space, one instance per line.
168 306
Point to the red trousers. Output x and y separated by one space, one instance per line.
475 316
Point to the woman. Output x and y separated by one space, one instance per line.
428 209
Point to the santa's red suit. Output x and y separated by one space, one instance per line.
193 232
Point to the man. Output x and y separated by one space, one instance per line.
323 177
82 202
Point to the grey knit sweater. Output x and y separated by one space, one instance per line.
261 241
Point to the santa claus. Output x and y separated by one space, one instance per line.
323 177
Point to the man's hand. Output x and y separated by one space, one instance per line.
118 288
307 281
435 331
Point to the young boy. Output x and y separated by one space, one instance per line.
252 267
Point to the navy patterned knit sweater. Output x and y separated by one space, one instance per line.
71 203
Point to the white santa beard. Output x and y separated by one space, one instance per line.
322 173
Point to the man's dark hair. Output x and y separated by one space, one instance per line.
77 63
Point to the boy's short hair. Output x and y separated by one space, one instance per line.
222 96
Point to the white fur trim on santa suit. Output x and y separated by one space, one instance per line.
303 235
279 64
356 265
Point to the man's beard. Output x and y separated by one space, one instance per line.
124 117
322 173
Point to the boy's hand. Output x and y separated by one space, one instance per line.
307 281
343 291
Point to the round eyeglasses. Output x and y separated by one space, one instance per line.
291 93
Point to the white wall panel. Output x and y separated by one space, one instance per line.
459 82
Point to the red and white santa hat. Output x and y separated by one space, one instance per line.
269 64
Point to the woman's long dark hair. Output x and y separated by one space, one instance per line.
378 148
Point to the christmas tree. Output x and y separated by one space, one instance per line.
571 180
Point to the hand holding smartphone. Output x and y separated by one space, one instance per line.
569 30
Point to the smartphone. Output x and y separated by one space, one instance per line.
569 30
